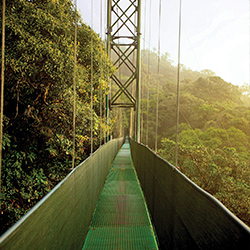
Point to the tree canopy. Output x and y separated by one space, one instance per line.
214 130
38 100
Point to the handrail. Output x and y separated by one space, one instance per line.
62 218
184 215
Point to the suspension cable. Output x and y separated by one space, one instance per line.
178 90
105 77
74 90
119 122
101 76
148 71
108 47
158 77
2 94
143 82
91 79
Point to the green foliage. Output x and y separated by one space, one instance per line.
221 172
37 139
214 130
216 138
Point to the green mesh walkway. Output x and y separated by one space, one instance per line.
121 219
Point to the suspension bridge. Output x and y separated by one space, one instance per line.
125 196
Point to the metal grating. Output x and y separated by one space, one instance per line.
120 238
121 219
122 174
121 187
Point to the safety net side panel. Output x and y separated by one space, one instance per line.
62 218
184 215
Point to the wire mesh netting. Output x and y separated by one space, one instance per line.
121 220
184 215
61 219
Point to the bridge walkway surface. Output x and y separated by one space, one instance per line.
121 219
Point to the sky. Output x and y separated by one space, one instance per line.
215 34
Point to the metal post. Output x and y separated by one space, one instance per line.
123 41
138 72
2 94
109 29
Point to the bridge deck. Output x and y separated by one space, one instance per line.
121 219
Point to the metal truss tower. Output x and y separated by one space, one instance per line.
123 47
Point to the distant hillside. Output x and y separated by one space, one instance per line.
214 130
206 100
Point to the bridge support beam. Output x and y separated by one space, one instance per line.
123 47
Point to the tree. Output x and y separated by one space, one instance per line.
39 96
220 172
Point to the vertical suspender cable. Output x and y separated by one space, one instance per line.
109 29
106 73
119 121
132 131
178 90
149 53
143 83
2 94
138 72
101 75
74 90
158 77
91 79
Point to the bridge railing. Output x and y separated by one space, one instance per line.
61 219
184 215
